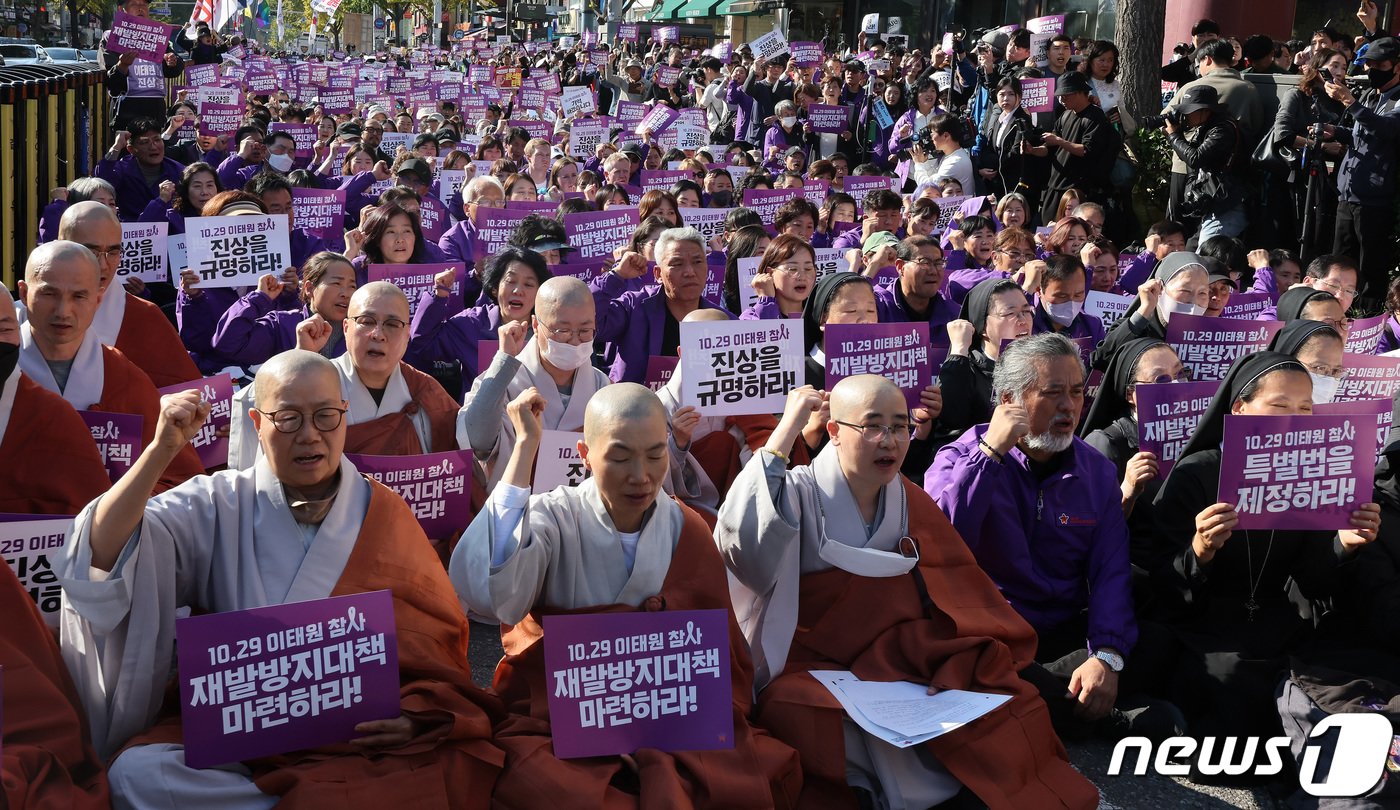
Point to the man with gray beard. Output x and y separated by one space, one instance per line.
1040 511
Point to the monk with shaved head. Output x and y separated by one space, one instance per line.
880 584
60 351
124 321
616 543
301 524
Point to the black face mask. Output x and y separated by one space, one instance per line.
722 199
1380 78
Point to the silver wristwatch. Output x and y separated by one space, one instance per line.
1113 660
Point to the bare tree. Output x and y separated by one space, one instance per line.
1141 26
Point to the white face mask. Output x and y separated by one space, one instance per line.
282 163
1166 305
789 121
1063 314
1324 388
566 356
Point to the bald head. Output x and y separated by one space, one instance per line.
624 408
80 216
61 254
383 296
296 369
854 399
93 225
564 292
9 322
707 314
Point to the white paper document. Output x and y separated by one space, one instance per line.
902 713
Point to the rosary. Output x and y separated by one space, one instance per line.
1251 605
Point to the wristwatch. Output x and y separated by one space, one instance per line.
1113 660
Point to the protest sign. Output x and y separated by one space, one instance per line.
144 251
626 681
118 438
1167 416
666 76
690 137
805 54
175 245
320 212
746 270
870 24
303 134
417 279
493 229
1381 409
220 119
211 442
1244 306
948 208
899 352
237 251
1038 95
392 142
767 201
558 463
200 75
337 102
659 371
1368 377
506 77
627 32
769 45
544 207
828 117
585 136
596 234
1040 44
630 114
858 185
1049 24
656 120
585 272
230 96
285 677
433 218
576 101
661 179
1365 334
882 113
708 221
436 486
1209 345
450 181
714 285
142 36
1107 307
830 260
666 33
1297 472
737 368
28 546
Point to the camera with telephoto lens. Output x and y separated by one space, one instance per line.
1030 133
1160 121
924 140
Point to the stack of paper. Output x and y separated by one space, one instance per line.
903 713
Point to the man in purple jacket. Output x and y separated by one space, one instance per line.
915 297
1040 510
136 165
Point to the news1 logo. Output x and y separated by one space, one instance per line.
1344 755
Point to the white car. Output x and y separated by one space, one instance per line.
18 53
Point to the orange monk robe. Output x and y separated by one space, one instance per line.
49 464
451 765
722 458
47 762
394 434
127 389
969 638
759 772
149 340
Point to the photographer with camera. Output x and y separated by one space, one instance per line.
1204 136
938 153
1366 177
1298 178
1081 149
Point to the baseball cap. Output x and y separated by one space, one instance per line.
877 240
1385 49
1197 97
417 167
349 129
1071 83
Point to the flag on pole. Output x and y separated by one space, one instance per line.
281 33
224 10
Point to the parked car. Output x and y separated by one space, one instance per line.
67 56
89 55
16 53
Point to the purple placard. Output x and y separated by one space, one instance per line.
767 201
666 33
549 83
1365 334
666 76
662 179
900 352
805 54
493 229
584 272
1368 376
321 213
304 134
118 437
1380 409
657 119
436 486
146 38
285 677
831 118
338 101
416 279
1038 95
596 234
714 284
676 695
630 114
433 218
220 119
211 442
537 129
858 186
1243 306
627 32
546 207
659 371
1167 416
816 191
1297 472
1209 345
200 75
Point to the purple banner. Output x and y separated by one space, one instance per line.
118 437
146 38
657 119
619 682
1210 345
627 32
493 229
1297 472
1365 334
220 119
666 76
899 352
662 179
436 486
304 134
831 118
859 185
1368 376
659 371
416 279
596 234
211 442
1167 416
285 677
1243 306
767 201
1038 95
805 54
1380 409
321 213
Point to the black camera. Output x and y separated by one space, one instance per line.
1160 121
1031 134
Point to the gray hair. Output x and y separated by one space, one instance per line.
1016 371
480 184
671 235
784 107
82 189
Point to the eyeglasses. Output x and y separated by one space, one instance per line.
1337 289
151 140
931 264
1340 325
109 253
1184 375
568 335
290 421
874 434
392 326
1016 254
1018 314
1335 372
793 270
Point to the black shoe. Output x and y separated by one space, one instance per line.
1146 717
